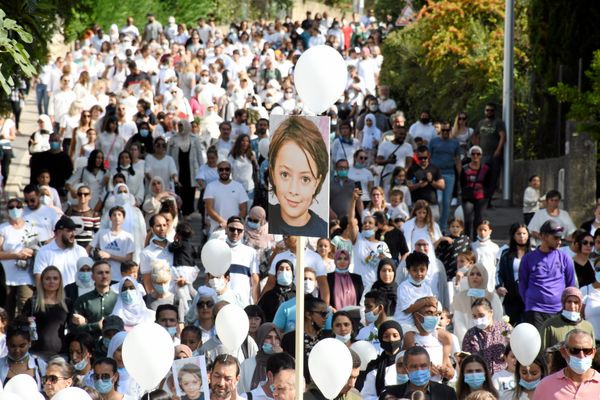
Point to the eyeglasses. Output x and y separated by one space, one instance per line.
323 314
51 379
83 194
234 230
104 377
224 169
13 207
205 304
574 351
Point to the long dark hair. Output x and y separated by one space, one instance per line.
236 150
462 390
513 246
91 161
130 170
108 120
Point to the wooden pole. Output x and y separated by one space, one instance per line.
299 269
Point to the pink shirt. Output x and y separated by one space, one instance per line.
558 386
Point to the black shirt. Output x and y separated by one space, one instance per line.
316 226
418 174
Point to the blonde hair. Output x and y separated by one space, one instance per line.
424 205
161 273
40 303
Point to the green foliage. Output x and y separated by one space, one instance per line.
14 59
585 106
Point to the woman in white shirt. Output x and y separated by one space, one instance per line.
161 164
110 142
243 164
360 173
69 123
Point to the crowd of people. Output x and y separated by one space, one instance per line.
140 131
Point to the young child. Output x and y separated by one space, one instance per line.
531 198
412 289
326 251
464 262
191 336
449 247
43 179
505 380
184 268
486 252
132 269
445 320
398 208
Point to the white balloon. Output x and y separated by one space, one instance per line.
525 343
216 257
148 354
72 393
330 366
22 385
232 327
10 396
366 351
263 147
320 77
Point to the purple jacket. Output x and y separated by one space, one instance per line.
542 279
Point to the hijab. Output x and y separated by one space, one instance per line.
47 123
260 371
462 301
284 293
370 132
115 342
136 312
258 238
83 288
203 292
390 289
344 292
384 360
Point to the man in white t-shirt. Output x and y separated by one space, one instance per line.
367 70
60 101
311 259
224 142
224 198
42 217
127 127
63 252
552 212
396 153
423 128
113 245
243 271
157 249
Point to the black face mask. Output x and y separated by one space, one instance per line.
391 347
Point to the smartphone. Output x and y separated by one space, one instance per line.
357 185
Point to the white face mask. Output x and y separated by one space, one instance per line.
481 323
309 286
204 80
121 198
218 284
46 200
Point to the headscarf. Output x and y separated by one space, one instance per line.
115 342
344 293
260 371
81 287
203 292
136 312
284 293
46 122
384 360
370 132
182 348
462 301
390 289
258 238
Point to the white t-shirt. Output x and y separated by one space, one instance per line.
591 299
244 263
116 244
425 132
563 219
127 130
364 176
207 174
407 294
387 148
343 151
366 258
504 381
227 199
13 242
241 171
487 254
165 168
63 259
69 123
311 259
153 252
43 219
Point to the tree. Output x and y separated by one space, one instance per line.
14 59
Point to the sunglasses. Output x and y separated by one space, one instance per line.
323 314
574 351
104 377
13 207
254 221
423 158
234 230
475 154
362 158
224 169
205 304
51 379
587 243
83 194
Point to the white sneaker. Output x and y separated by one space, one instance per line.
454 202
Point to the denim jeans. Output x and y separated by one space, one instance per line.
42 98
444 198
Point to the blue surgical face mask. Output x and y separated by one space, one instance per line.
401 379
103 386
419 377
342 173
285 278
572 316
597 275
127 297
15 213
368 233
105 342
23 357
172 330
474 292
84 277
580 365
371 317
343 338
341 271
80 366
54 145
158 238
359 165
529 385
430 322
160 288
267 348
144 132
252 225
475 379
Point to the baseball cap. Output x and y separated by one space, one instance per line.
66 223
552 227
113 323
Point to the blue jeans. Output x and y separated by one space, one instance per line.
444 198
42 98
